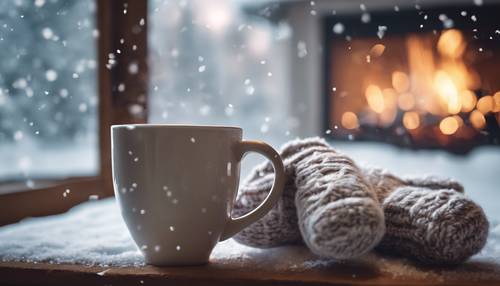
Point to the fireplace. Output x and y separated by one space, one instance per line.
420 78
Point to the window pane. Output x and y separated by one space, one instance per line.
212 64
48 99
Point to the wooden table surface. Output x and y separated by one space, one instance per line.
292 265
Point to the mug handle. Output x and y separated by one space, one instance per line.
235 225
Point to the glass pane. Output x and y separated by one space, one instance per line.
48 99
210 64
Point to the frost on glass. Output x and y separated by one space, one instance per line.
48 99
213 63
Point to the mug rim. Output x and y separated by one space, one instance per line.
175 126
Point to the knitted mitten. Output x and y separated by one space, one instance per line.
326 202
428 218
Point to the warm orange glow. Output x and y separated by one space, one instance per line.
421 67
390 107
400 81
451 44
349 120
485 104
477 119
449 125
442 85
406 101
411 120
375 98
436 92
496 98
377 50
447 92
391 98
459 120
468 99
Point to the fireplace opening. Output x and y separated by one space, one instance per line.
424 78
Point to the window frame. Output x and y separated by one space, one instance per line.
116 19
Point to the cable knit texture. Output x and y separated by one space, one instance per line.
326 202
338 209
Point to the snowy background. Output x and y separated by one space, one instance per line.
218 65
48 100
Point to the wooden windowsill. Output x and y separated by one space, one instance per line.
16 204
283 266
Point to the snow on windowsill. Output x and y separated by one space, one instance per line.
93 233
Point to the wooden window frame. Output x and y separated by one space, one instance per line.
116 20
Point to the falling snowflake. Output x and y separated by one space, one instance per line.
82 107
121 87
39 3
51 75
228 169
338 28
250 90
229 110
381 31
301 49
18 135
365 18
47 33
264 128
133 68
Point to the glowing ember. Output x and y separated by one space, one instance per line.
451 44
375 98
477 119
496 99
349 120
447 92
400 81
468 99
449 125
485 104
377 50
411 120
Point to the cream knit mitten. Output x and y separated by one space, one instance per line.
326 203
428 219
338 209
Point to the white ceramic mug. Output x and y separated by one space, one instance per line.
176 185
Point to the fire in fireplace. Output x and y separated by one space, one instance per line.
417 78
